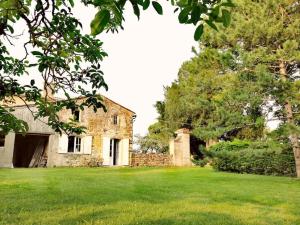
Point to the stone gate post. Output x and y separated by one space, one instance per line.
179 148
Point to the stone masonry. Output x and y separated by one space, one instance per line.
151 159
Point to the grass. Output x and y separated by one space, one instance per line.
145 196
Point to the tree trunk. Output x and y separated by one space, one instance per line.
294 139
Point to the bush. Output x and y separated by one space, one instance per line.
201 162
268 158
230 146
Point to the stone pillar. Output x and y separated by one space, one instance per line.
7 153
179 148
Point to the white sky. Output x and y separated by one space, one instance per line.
143 58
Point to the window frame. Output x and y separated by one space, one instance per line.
76 142
76 118
115 119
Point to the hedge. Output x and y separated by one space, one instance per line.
268 158
230 145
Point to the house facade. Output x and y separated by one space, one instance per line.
107 141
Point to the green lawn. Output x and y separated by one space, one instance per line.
145 196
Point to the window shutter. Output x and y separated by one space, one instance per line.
125 151
63 143
87 144
105 151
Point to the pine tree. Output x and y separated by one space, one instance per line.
266 37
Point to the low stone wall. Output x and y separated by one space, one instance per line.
150 159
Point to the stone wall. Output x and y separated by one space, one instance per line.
150 159
76 160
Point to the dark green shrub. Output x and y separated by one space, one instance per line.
201 162
230 145
268 158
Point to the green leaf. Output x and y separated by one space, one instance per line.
136 10
38 6
226 17
41 67
121 3
195 15
11 29
100 21
37 53
157 7
139 2
58 2
183 15
215 12
211 24
198 32
182 3
146 4
71 3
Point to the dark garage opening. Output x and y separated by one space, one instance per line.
30 150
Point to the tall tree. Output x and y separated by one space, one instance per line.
266 37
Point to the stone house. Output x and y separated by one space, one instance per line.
107 141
